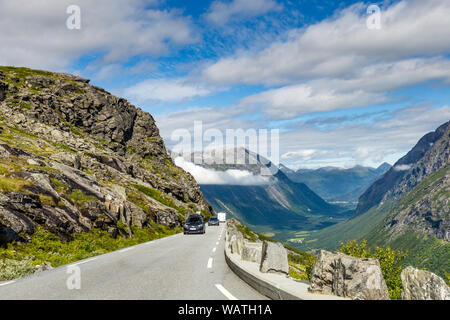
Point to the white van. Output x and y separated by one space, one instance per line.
222 216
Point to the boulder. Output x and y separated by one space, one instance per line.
274 258
43 267
236 242
423 285
251 251
346 276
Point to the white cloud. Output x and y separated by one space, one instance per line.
209 176
220 12
35 35
339 46
303 154
165 90
385 138
402 167
368 86
291 101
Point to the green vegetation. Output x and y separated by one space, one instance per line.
12 269
302 263
47 247
160 197
390 263
48 200
12 184
424 188
423 251
22 73
79 198
353 228
247 233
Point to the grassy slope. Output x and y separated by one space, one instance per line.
355 228
423 251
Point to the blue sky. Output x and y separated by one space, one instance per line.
340 94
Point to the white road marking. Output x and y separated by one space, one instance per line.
214 250
217 243
7 282
210 261
85 261
126 249
225 292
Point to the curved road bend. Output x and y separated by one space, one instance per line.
187 267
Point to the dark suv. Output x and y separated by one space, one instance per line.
214 221
194 224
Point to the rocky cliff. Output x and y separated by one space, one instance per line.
422 189
430 154
74 157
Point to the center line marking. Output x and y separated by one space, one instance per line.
214 250
217 243
225 292
210 261
7 282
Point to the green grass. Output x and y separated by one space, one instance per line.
422 189
247 233
13 184
160 197
79 198
424 251
354 228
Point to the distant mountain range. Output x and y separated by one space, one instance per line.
407 208
278 204
338 184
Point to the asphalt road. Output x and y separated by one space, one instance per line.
190 267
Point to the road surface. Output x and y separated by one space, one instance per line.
187 267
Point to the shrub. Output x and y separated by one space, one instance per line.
247 233
390 263
303 261
12 269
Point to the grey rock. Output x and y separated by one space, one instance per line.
91 150
274 258
346 276
43 267
252 251
236 242
423 285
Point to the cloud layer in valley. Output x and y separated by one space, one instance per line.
210 176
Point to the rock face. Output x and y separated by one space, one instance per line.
346 276
430 154
423 285
252 251
274 258
74 157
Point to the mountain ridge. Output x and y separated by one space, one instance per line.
73 157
